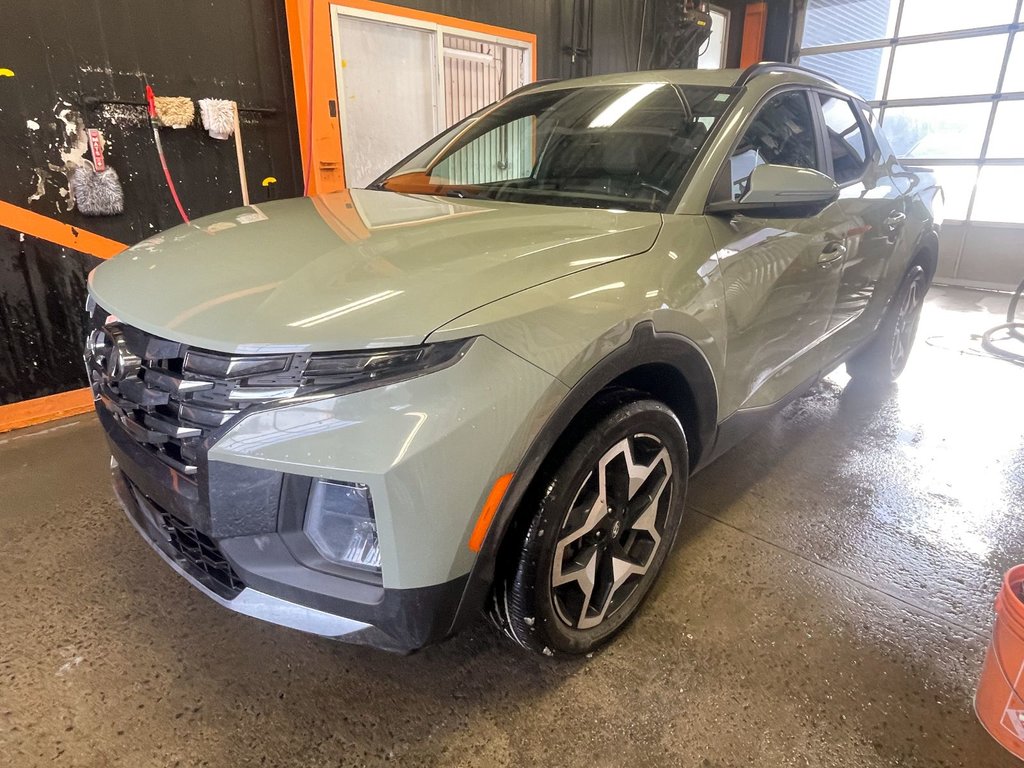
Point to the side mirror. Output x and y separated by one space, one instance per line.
781 190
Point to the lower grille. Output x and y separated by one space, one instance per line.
202 553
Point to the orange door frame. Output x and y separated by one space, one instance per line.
311 46
755 20
40 409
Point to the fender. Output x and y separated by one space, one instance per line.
644 347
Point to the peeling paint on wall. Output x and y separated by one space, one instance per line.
70 145
41 177
125 114
66 116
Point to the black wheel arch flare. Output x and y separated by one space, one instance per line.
646 350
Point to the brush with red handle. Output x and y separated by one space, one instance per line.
151 106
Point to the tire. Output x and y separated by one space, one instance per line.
886 355
634 457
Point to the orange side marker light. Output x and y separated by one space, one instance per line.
483 523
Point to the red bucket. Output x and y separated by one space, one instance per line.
999 700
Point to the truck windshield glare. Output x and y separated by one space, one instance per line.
616 146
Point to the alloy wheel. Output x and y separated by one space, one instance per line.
612 531
906 326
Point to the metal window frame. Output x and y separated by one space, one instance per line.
994 98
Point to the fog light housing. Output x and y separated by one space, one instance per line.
340 523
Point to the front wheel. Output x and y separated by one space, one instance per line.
886 355
600 534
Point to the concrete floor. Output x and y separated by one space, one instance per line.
828 605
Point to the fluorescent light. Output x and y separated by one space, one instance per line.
609 287
331 314
611 114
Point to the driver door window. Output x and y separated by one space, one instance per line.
781 134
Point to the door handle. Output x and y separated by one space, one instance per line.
893 224
895 220
831 253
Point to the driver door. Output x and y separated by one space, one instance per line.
781 275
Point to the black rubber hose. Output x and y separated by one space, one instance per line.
1011 312
1011 325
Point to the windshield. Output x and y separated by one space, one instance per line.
614 146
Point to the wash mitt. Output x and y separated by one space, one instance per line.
218 117
175 111
96 193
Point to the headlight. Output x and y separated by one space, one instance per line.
340 523
349 367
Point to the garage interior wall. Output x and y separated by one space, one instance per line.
61 55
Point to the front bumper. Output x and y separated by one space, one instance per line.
393 620
250 602
428 448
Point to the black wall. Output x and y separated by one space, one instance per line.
63 50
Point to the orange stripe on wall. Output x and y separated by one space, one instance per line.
40 409
53 231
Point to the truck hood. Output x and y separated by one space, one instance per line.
351 270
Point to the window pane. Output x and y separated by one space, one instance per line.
845 139
505 153
1007 139
957 184
881 139
937 132
863 72
614 146
782 133
1015 68
713 55
847 21
998 197
947 68
923 16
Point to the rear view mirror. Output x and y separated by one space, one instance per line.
781 190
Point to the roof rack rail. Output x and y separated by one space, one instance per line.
763 67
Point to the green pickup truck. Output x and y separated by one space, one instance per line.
483 382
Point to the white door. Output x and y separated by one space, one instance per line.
402 81
387 84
